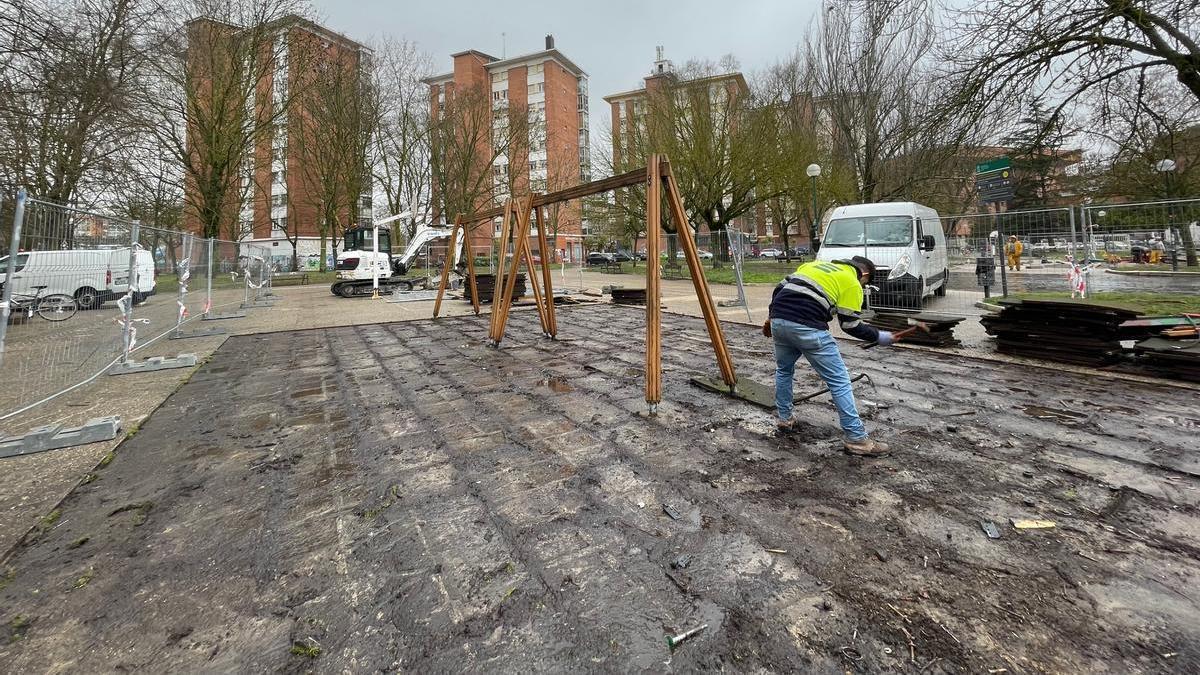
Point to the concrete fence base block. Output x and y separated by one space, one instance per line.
220 317
54 436
154 363
197 333
730 303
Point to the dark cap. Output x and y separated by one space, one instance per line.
864 265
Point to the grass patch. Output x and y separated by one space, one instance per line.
18 626
753 271
47 523
78 542
107 459
7 577
85 579
393 496
1144 303
88 478
141 512
308 651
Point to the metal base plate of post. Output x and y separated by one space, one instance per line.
154 363
54 436
198 333
220 317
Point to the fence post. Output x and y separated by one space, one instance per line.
245 277
1071 218
183 273
208 282
14 249
1002 252
127 329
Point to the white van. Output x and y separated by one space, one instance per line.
905 241
91 276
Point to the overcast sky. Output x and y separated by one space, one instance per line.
613 41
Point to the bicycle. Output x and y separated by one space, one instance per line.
53 307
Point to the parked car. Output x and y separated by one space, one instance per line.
601 258
704 255
91 276
622 256
771 253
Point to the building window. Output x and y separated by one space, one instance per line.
535 69
537 88
500 95
537 165
278 200
500 77
278 225
279 176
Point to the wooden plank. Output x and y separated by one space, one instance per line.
520 241
437 304
547 283
595 187
505 228
653 289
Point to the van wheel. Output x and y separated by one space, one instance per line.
941 290
87 298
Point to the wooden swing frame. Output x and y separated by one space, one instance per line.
517 215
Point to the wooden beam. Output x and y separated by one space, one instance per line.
547 284
470 252
520 236
653 289
696 269
450 255
505 227
630 178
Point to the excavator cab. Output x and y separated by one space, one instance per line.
360 239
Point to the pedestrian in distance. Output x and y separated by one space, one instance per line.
1014 248
802 305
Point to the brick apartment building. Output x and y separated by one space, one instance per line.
629 108
553 91
276 198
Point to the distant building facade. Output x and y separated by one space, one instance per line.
553 151
275 197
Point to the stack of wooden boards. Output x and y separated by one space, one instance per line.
487 287
941 327
1070 331
1168 345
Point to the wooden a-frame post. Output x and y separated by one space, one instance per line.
517 214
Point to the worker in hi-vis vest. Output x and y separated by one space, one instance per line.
802 305
1014 248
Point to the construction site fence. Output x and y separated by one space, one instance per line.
87 295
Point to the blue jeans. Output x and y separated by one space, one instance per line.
792 341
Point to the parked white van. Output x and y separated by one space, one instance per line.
905 241
91 276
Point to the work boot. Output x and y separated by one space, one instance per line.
788 427
866 448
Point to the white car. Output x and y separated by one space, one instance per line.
770 253
704 255
91 276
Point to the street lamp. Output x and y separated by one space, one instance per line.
1166 167
813 171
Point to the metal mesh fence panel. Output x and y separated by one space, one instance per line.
1163 234
65 326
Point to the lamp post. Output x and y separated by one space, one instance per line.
814 171
1166 167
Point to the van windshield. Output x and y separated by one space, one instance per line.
879 231
22 258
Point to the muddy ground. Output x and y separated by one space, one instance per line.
398 497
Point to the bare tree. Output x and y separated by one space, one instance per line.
332 127
214 101
1007 48
402 149
717 138
466 140
70 71
877 86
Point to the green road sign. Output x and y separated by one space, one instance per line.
993 165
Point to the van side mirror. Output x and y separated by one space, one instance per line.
928 243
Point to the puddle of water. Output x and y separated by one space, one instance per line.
557 384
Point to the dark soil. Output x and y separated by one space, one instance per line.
400 497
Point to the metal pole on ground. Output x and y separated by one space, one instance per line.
14 248
375 263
